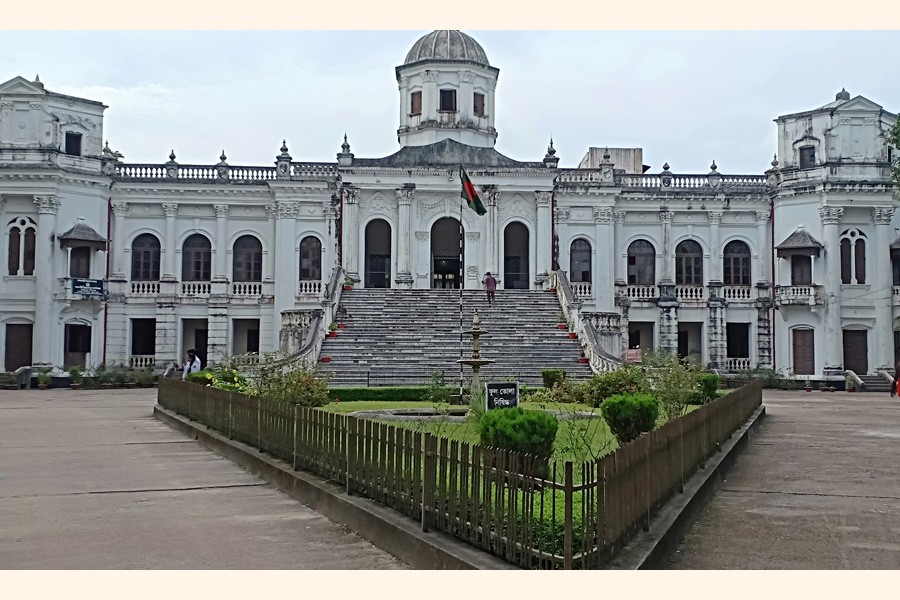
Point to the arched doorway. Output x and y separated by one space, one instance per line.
378 254
445 253
515 257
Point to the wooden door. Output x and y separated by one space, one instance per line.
18 346
856 351
804 352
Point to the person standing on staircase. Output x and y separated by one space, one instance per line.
490 286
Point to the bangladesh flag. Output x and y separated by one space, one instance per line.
469 194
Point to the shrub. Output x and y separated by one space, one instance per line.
438 393
43 376
708 384
553 377
629 415
76 372
626 380
117 376
672 381
303 385
517 430
146 377
417 393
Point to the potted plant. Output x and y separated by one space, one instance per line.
341 325
561 321
77 376
850 384
43 378
326 359
348 284
572 334
332 329
808 387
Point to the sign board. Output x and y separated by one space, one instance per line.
504 394
634 355
88 287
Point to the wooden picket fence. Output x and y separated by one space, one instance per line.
515 506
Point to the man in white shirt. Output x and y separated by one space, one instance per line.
192 364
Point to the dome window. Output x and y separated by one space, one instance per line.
479 105
448 101
415 104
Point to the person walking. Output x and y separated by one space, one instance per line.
191 364
895 387
490 286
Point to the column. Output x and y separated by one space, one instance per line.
882 286
763 255
492 196
833 335
544 233
272 256
715 246
221 263
668 303
120 211
429 96
764 340
285 242
350 232
465 103
715 327
405 196
166 333
604 250
329 247
668 257
617 256
45 281
169 270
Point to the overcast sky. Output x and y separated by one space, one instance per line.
684 97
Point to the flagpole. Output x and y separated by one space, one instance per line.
461 268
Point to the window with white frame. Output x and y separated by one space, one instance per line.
853 257
22 233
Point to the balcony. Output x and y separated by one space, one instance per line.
786 295
737 293
308 289
690 293
144 289
197 289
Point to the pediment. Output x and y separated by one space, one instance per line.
858 104
20 85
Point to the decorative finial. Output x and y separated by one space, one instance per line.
713 166
842 95
37 78
346 145
775 161
172 154
223 157
551 151
606 153
665 166
284 147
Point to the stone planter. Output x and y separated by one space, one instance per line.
326 359
583 360
332 334
572 335
562 326
347 288
341 325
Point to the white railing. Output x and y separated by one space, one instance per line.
599 360
642 292
797 294
144 288
141 361
737 292
690 293
581 289
737 364
309 288
195 288
246 288
243 360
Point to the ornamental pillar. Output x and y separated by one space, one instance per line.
668 254
285 243
603 258
882 289
169 272
715 244
492 196
544 233
350 232
405 196
221 264
618 258
120 211
762 258
833 345
44 319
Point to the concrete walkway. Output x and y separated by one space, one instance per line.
90 480
817 488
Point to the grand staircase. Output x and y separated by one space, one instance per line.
399 337
875 383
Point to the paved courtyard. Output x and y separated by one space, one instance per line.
90 480
818 487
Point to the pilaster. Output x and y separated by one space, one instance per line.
221 252
405 196
350 232
883 289
715 328
544 233
44 319
169 270
831 217
120 211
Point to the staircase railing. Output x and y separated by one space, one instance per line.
852 376
599 360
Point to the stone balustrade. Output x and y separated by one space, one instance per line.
581 289
195 288
218 174
309 288
603 321
690 293
642 292
737 293
737 364
246 288
798 294
141 361
744 183
144 288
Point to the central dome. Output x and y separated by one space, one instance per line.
447 44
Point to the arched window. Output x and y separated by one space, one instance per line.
247 257
688 263
20 252
145 257
580 261
736 264
641 263
310 259
196 259
853 257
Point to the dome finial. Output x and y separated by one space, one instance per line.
842 95
172 154
346 145
551 151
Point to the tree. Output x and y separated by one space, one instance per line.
894 140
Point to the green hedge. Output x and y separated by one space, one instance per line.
410 393
526 431
628 415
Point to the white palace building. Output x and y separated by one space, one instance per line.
106 261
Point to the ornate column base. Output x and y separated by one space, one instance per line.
404 280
